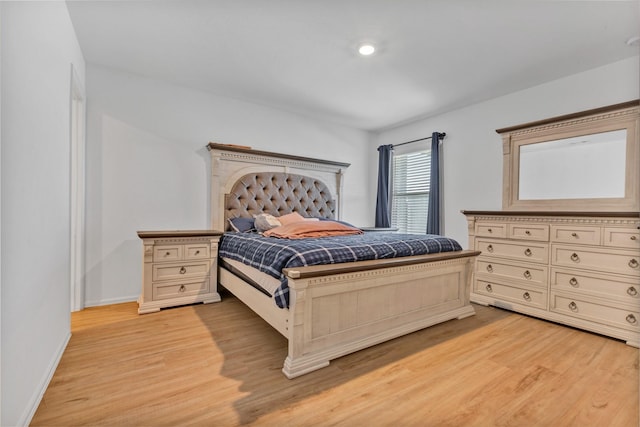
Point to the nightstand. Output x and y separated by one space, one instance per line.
179 267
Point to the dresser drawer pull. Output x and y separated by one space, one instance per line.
528 252
575 257
634 238
183 270
489 288
490 268
528 233
167 254
632 291
574 235
490 248
197 252
182 288
633 263
526 296
631 319
573 282
573 306
527 274
489 230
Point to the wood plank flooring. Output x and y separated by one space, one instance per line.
219 365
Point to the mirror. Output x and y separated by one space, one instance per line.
581 162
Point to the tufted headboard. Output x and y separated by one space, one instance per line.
247 182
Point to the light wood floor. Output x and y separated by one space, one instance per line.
219 365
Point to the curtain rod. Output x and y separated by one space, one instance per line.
441 135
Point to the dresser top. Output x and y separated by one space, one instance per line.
556 214
177 233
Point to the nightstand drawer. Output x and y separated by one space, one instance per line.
196 251
575 234
181 271
183 289
167 253
622 237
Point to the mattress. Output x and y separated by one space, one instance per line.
267 283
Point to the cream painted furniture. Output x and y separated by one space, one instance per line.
340 308
179 267
566 247
575 268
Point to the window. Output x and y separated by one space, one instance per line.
411 175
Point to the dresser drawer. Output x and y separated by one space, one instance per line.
166 290
196 251
598 285
539 232
610 314
489 229
609 260
494 269
581 235
181 271
622 237
167 253
533 297
523 251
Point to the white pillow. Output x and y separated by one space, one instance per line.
264 222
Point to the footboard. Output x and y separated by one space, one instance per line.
336 310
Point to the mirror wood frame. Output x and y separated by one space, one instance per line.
614 117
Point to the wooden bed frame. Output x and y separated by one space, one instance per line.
341 308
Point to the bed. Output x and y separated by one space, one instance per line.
334 309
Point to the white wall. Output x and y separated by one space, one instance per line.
38 47
148 166
473 150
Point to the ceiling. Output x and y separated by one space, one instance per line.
300 55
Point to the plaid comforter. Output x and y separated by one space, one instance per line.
270 255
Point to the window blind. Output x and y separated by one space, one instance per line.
410 196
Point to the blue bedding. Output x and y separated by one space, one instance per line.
271 255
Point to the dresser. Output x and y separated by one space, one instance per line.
179 267
576 268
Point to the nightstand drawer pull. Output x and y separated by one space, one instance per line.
167 254
528 252
631 319
575 257
527 274
632 291
633 263
526 296
574 235
490 248
182 288
490 268
183 270
573 282
573 306
197 252
489 230
489 288
527 232
633 238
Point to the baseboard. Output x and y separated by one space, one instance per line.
110 301
34 402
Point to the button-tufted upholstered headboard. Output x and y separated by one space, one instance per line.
247 182
279 193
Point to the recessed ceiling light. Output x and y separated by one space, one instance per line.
366 49
633 41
